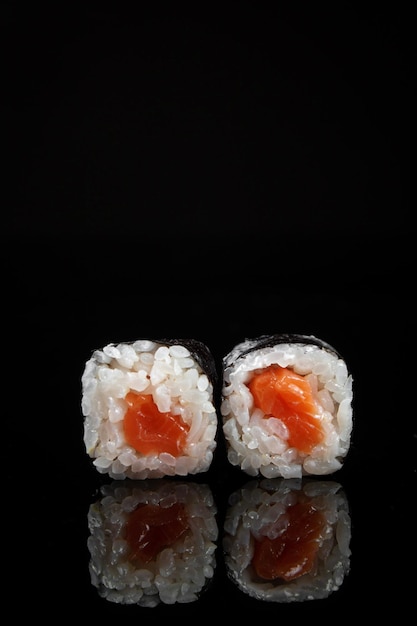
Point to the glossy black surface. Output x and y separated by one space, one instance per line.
214 177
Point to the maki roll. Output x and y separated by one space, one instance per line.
152 542
288 540
148 408
286 406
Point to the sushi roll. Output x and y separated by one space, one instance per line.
286 406
288 540
148 408
152 542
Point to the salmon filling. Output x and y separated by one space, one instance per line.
149 431
279 392
293 553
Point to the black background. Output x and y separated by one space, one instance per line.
217 174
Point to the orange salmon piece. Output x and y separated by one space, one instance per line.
293 553
150 528
149 431
279 392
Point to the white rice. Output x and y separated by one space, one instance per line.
259 445
177 383
180 573
260 509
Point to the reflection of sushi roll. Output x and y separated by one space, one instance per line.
152 542
148 408
286 406
288 540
